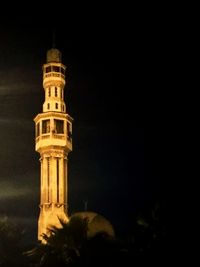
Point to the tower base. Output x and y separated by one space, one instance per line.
50 216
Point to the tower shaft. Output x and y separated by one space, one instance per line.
53 142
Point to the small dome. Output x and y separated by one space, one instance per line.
96 223
54 55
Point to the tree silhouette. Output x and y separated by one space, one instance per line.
149 236
71 246
11 237
63 246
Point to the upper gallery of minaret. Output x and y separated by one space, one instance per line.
54 82
53 125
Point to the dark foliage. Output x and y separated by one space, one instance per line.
11 248
70 245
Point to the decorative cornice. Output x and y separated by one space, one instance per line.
52 114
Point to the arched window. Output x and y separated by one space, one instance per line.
48 69
45 126
62 70
69 132
56 91
55 68
59 126
37 129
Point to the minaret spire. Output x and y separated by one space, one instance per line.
53 143
54 38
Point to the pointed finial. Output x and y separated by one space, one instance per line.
54 38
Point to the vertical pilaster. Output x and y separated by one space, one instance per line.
61 182
41 181
45 182
65 187
53 184
58 197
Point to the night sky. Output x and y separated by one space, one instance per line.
116 162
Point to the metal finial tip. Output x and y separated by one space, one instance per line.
54 38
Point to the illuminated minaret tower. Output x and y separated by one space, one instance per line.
53 142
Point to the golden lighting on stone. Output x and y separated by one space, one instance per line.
53 130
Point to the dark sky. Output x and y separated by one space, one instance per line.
115 163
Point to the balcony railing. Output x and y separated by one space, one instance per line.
53 135
54 74
59 136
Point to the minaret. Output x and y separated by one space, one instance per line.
53 129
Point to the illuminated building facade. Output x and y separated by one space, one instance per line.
53 129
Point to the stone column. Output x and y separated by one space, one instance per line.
65 183
53 180
61 180
44 179
41 182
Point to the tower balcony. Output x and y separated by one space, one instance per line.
53 77
53 72
53 129
52 139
